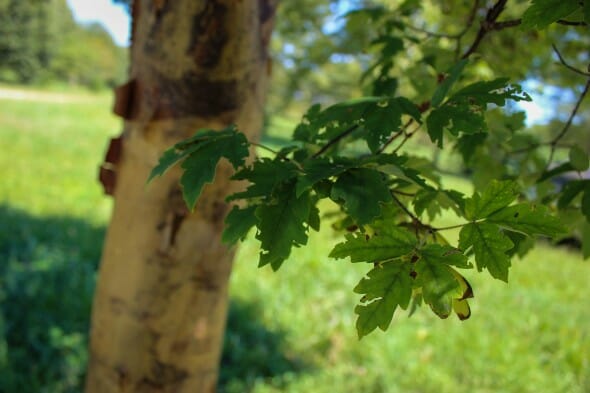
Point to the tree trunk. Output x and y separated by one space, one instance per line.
161 299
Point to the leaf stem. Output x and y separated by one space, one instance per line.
405 209
566 65
336 139
264 148
450 227
406 137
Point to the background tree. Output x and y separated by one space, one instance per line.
40 43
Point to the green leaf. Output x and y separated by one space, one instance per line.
570 191
391 45
386 287
307 130
350 111
265 175
558 170
489 245
389 243
443 89
467 144
384 118
439 285
456 119
398 166
496 196
362 191
464 110
234 141
458 200
318 169
586 11
169 158
544 12
495 92
282 225
237 224
199 166
314 218
197 172
522 243
200 155
528 219
423 199
444 254
578 159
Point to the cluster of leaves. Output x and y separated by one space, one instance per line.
387 201
411 260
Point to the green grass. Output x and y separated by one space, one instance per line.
291 331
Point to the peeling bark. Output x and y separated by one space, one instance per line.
161 299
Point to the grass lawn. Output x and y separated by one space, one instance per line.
291 331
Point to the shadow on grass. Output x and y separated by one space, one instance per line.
253 352
47 277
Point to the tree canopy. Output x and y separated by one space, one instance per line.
40 42
438 80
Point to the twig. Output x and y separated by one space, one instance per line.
534 146
486 26
505 24
456 36
568 66
336 139
265 148
405 209
395 136
450 227
572 23
403 193
567 125
406 137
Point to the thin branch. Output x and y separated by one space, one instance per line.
572 23
276 153
395 136
336 139
505 24
567 125
433 34
534 146
565 64
486 26
456 36
403 193
405 209
572 115
406 137
450 227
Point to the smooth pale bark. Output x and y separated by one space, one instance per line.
161 299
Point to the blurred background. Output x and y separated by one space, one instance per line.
291 331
